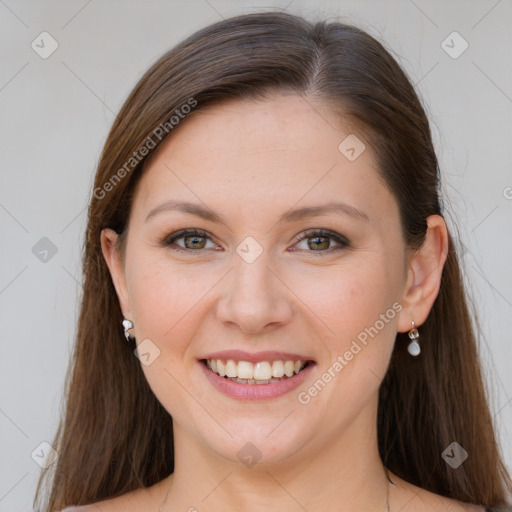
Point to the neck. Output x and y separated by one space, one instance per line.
347 472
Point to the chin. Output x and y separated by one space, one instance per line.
260 442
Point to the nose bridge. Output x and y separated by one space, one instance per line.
254 297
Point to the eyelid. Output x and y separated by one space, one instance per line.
321 232
182 233
342 241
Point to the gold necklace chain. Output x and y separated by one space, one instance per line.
160 508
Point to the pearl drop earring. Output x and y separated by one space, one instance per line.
127 325
414 347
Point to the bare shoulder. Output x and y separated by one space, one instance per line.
101 506
410 498
147 498
118 504
426 501
82 508
435 502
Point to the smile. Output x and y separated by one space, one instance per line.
262 372
255 377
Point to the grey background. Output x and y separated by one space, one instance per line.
55 115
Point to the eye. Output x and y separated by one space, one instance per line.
193 240
316 240
320 240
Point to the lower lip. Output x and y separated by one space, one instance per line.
252 392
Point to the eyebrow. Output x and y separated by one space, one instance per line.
290 216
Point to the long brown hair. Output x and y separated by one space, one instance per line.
115 435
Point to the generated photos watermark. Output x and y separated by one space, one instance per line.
304 397
157 135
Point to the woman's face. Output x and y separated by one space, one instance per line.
256 286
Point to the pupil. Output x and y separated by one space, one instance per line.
194 242
325 239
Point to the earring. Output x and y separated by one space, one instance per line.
414 347
127 325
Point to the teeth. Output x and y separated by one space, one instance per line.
278 369
289 368
245 370
262 372
231 370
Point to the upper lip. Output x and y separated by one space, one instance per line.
256 357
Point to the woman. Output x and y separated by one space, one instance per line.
266 232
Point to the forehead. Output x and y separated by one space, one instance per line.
282 148
278 123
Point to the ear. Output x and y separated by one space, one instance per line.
424 273
115 264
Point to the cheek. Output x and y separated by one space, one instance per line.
351 295
357 303
163 299
166 305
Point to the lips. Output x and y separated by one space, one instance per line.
257 376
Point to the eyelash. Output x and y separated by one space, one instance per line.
312 233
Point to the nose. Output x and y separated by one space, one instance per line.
254 298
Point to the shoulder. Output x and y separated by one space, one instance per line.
410 498
144 498
119 504
83 508
93 507
433 502
110 505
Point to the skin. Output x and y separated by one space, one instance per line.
250 162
